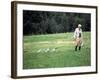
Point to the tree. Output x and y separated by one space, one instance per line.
47 22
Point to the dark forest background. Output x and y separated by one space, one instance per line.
45 22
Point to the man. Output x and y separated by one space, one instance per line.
78 37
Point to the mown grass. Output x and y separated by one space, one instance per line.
55 50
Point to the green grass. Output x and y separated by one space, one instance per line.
60 51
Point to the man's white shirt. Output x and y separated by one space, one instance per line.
77 32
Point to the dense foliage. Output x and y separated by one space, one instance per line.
47 22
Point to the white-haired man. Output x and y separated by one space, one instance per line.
78 37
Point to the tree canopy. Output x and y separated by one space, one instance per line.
47 22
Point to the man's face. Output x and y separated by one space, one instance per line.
79 27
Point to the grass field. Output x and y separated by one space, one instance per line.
55 50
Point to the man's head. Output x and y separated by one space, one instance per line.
79 25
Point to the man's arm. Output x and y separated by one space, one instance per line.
82 37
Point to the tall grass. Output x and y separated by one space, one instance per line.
55 50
